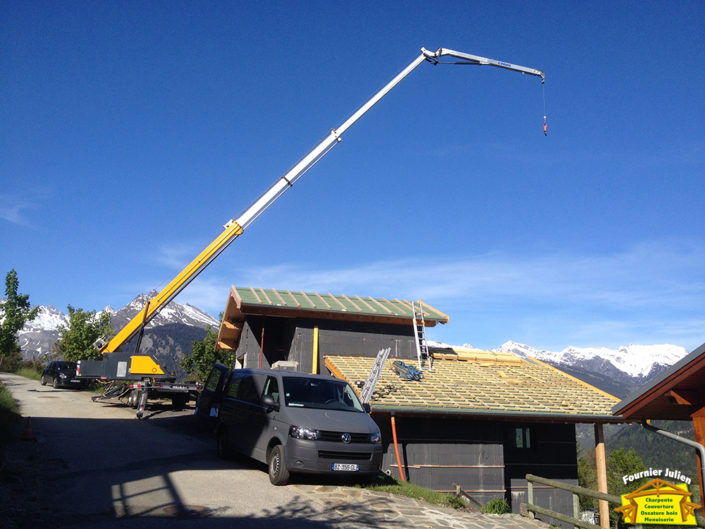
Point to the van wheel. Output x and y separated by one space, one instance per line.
222 444
278 473
43 381
55 384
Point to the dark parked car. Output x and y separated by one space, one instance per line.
61 374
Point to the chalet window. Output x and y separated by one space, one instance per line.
521 438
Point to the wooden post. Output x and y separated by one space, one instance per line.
314 368
601 467
576 508
699 437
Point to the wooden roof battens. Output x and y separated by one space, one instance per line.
358 309
280 297
254 293
338 302
392 304
266 297
445 316
366 304
293 298
313 305
323 300
380 305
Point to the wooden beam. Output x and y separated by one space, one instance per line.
601 467
684 397
699 437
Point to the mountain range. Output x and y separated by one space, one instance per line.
617 371
169 336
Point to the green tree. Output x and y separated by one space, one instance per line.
16 312
203 355
620 463
85 327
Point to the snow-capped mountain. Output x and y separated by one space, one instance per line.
172 313
167 337
38 336
634 360
617 371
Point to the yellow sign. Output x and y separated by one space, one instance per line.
659 502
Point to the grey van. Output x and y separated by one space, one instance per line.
293 422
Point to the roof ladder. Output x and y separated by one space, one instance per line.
369 387
420 337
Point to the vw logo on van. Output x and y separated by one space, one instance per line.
346 438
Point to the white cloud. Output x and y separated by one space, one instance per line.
13 208
647 293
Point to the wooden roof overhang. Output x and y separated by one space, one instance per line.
244 302
676 394
508 416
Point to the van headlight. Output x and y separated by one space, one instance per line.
376 437
300 432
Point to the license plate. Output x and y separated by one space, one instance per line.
345 467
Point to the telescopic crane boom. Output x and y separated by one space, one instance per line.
145 366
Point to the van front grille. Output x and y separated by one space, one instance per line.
337 437
343 456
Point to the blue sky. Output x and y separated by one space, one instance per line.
132 131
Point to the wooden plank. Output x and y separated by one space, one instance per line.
255 295
338 302
323 300
366 304
380 305
280 297
313 305
392 304
293 298
352 303
563 517
266 297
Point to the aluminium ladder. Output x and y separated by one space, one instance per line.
369 388
420 336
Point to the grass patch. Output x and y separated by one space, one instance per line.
29 372
404 488
9 413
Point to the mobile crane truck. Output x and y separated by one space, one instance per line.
138 376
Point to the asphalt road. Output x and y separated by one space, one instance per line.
96 465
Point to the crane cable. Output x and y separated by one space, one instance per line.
543 90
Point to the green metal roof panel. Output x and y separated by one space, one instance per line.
340 303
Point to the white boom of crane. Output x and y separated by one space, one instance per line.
236 226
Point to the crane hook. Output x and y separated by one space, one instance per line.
545 127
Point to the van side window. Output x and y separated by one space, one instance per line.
234 384
213 378
271 388
247 390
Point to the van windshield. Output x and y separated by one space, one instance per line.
317 393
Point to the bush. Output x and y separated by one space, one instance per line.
9 414
497 506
